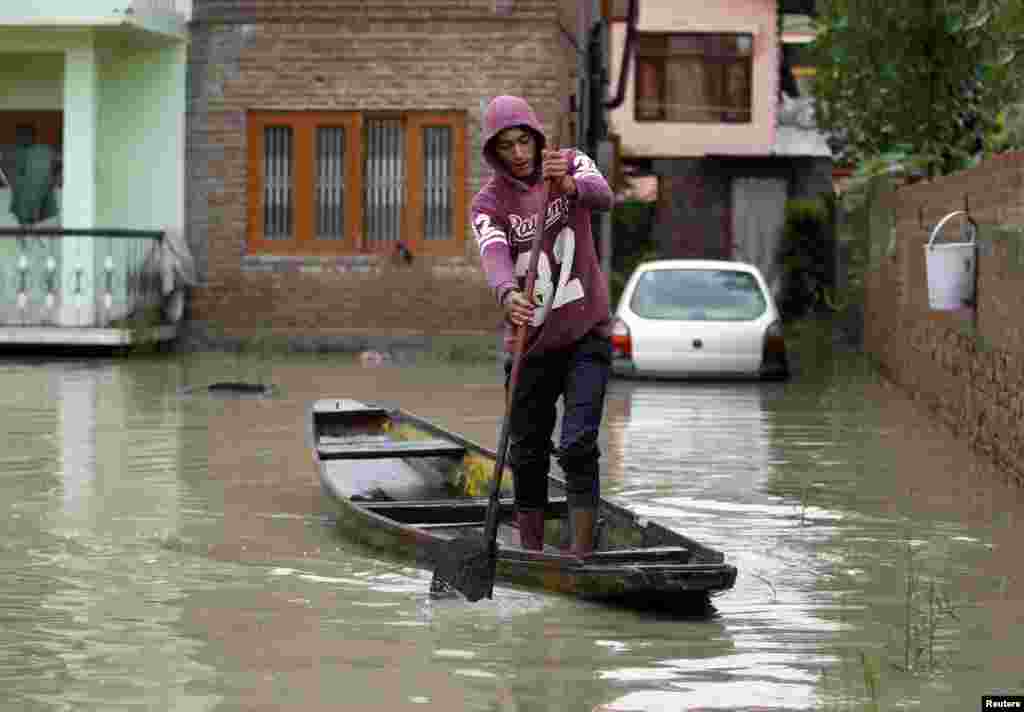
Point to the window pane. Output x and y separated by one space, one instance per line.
330 183
384 182
437 183
698 295
736 92
688 85
694 77
649 102
278 188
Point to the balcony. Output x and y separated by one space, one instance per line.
165 17
85 287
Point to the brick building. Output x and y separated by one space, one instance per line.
326 136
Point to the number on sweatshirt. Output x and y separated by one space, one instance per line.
566 291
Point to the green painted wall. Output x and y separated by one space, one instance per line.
54 9
123 97
140 138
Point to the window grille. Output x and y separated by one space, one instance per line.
384 180
330 185
278 191
437 182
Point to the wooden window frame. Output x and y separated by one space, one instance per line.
384 247
661 116
416 122
304 125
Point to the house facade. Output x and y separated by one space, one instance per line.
333 149
710 115
92 141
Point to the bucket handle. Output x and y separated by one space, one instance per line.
972 230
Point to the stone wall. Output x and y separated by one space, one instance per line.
381 55
967 365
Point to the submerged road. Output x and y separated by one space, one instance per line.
169 550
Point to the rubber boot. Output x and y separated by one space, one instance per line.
582 523
531 529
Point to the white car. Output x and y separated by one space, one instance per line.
698 319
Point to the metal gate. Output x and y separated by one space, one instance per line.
758 216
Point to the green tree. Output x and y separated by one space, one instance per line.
926 82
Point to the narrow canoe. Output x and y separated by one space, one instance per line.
408 487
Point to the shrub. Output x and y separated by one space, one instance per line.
632 225
806 256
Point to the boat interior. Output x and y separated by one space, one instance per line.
415 474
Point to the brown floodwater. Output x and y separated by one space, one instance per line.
165 548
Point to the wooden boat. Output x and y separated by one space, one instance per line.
400 484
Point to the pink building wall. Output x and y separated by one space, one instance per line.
670 139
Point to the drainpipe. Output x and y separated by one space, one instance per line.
595 36
598 145
582 72
627 55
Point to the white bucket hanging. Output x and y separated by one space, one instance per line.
951 267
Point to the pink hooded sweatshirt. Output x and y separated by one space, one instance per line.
571 292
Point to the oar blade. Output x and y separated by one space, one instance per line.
466 565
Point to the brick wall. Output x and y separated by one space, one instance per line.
351 56
330 11
967 366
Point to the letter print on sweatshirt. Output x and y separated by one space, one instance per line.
546 294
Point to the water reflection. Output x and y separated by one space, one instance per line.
810 488
111 439
76 423
84 518
715 435
168 549
699 457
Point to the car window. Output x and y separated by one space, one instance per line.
698 295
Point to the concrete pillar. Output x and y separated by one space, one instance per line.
78 209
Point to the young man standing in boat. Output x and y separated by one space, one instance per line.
568 348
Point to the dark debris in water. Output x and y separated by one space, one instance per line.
233 389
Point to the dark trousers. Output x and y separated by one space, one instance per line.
579 375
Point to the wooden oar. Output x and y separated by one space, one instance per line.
468 564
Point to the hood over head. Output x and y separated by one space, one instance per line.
505 112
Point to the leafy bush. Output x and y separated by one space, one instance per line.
632 225
1009 133
807 257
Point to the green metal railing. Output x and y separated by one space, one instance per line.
78 277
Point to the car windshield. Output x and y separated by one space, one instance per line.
698 295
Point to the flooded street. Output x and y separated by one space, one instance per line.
167 550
